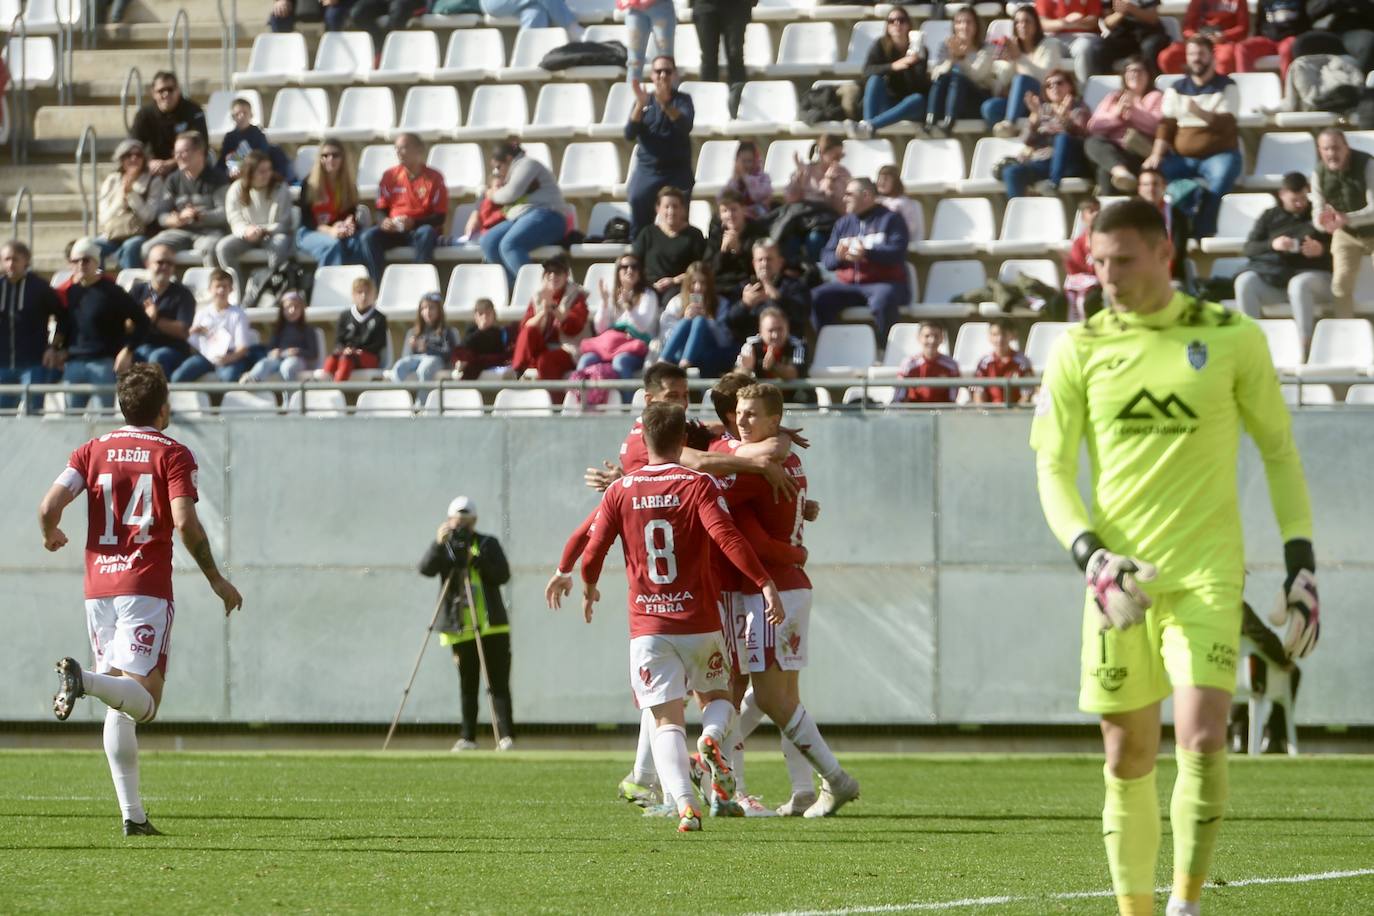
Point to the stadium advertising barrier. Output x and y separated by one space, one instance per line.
940 595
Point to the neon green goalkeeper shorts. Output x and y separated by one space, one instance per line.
1188 638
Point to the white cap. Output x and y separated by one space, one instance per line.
462 506
85 247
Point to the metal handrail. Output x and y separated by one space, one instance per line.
88 30
228 41
178 21
66 53
23 196
136 77
19 94
90 214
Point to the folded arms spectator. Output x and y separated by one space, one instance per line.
867 252
101 326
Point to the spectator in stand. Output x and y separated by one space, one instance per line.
1153 187
334 14
412 201
1122 129
360 338
1053 140
1003 362
770 287
1032 57
750 181
534 14
1075 23
1197 137
1278 24
896 77
892 194
717 22
867 252
329 230
1130 28
294 348
159 124
96 325
378 17
929 363
221 337
666 246
729 246
813 201
191 209
244 139
1290 259
1080 278
555 320
171 309
1343 201
128 205
486 215
661 124
701 338
643 17
258 207
27 304
533 206
1340 27
625 322
774 353
963 76
1225 23
430 343
485 346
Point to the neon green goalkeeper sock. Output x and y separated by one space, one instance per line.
1130 828
1195 815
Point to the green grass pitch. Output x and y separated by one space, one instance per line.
539 832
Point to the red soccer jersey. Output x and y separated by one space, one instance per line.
130 477
1058 9
993 366
778 520
420 197
666 517
940 367
634 454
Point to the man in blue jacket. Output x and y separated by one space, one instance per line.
867 252
27 304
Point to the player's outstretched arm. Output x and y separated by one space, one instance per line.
50 509
718 464
198 545
601 478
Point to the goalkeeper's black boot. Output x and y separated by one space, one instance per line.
69 688
144 829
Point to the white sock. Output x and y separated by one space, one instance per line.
643 772
121 750
716 721
1177 907
802 732
122 693
748 719
670 758
798 768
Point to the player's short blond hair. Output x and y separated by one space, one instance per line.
363 283
770 395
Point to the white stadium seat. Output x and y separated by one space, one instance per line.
128 277
188 405
530 47
986 154
470 282
765 107
1234 220
1040 341
342 58
333 290
387 403
1042 269
304 161
970 345
944 281
473 55
711 104
318 402
373 162
933 34
758 50
457 402
463 167
844 351
699 214
402 286
1280 153
1360 394
298 115
1098 88
861 40
276 59
805 48
932 166
364 113
1340 346
778 161
33 64
407 57
589 169
596 275
431 112
784 10
715 166
1285 344
962 226
217 109
249 402
48 17
562 110
527 280
863 158
1308 395
522 402
495 112
620 101
1030 225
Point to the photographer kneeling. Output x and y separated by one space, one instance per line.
458 553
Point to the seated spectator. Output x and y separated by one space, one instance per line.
963 76
769 287
641 18
245 138
774 353
360 336
96 325
661 125
334 14
485 345
1225 23
294 348
160 123
892 194
729 246
625 322
1053 147
1152 187
1075 23
430 343
1032 56
1130 28
814 199
1121 132
1290 260
1080 277
700 338
666 246
171 309
191 209
1278 24
128 205
929 363
378 17
1343 201
27 304
412 201
535 14
486 215
329 231
555 320
750 181
896 77
1197 137
867 252
535 214
1002 362
220 335
258 208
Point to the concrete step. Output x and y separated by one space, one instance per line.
66 122
48 206
39 178
111 65
50 238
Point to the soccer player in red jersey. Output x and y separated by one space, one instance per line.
139 485
666 516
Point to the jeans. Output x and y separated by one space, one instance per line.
378 17
880 110
1082 48
510 243
197 366
375 242
229 251
1304 292
128 253
420 366
884 300
31 375
1065 161
533 14
626 365
955 96
661 19
1217 174
722 20
327 250
89 372
270 368
1013 107
201 242
169 358
643 189
695 341
335 19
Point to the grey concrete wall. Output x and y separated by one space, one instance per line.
940 595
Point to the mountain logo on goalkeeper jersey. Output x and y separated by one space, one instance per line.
1197 354
1145 406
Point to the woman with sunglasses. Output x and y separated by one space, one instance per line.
1032 55
128 205
963 75
1122 129
625 322
896 79
329 230
1053 147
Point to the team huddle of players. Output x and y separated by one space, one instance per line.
710 522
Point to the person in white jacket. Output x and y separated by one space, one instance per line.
128 205
1030 54
258 208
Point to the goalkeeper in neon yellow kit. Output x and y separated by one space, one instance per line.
1158 385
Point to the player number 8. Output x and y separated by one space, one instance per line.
664 553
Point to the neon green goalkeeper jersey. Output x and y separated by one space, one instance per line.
1160 400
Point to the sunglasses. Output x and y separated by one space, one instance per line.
629 267
165 90
331 155
1049 83
664 72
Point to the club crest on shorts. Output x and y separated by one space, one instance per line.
1197 354
143 635
645 675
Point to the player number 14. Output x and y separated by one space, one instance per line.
138 514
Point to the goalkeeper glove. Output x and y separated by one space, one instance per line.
1298 612
1114 582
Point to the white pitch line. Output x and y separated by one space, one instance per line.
1071 895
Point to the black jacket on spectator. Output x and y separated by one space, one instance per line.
25 308
296 337
795 350
900 83
732 271
794 298
158 131
1280 19
662 256
94 324
445 559
366 332
1341 15
1278 267
175 302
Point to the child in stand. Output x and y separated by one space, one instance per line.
244 139
1002 362
360 337
1080 280
429 345
293 350
485 346
929 363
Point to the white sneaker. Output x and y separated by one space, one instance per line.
753 807
1004 129
863 130
1178 907
834 795
796 805
463 744
506 744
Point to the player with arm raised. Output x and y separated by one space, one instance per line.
1159 384
139 485
666 516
